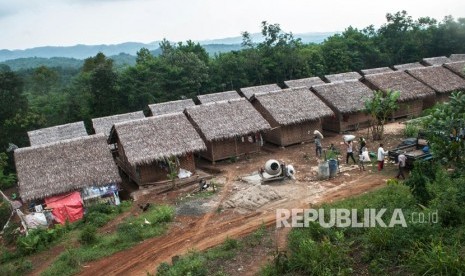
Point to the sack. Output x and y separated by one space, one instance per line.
317 133
348 138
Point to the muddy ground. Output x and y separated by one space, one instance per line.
240 207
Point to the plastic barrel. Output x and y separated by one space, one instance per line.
323 170
332 167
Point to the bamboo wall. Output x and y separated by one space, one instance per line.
233 147
410 108
346 122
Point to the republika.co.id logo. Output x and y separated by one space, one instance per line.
339 217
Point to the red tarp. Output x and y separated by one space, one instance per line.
66 207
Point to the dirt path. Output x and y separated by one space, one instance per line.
213 229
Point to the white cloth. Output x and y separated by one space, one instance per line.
381 154
402 158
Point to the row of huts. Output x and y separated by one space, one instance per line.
221 125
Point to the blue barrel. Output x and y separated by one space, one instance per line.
332 167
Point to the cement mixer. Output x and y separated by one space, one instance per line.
275 170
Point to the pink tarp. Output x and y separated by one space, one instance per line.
66 207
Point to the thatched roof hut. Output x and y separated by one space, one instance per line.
343 77
293 114
434 61
217 97
409 87
376 70
156 138
170 107
248 92
439 78
457 57
345 97
224 120
293 106
457 67
104 124
64 166
406 66
229 128
306 82
414 95
56 133
347 100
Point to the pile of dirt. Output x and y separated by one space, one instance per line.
252 197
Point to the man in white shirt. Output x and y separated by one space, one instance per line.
402 158
381 155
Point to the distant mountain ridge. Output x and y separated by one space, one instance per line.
81 51
123 53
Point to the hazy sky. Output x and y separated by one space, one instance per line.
31 23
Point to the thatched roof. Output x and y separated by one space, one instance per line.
64 166
170 107
293 106
345 97
409 87
343 76
156 138
376 70
224 120
432 61
439 78
406 66
306 82
248 92
458 67
217 97
56 133
104 124
457 57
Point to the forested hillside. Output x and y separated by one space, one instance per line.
47 96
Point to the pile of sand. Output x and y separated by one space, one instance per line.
252 197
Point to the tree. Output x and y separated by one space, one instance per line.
445 131
380 107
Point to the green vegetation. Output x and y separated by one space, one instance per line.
380 107
97 245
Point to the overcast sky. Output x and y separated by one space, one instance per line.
32 23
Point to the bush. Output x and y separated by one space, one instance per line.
194 264
39 239
411 130
5 213
17 268
437 259
88 235
130 232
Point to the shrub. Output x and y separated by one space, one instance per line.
18 267
194 264
411 130
5 213
88 235
437 259
129 232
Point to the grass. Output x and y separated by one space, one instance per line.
131 231
419 249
